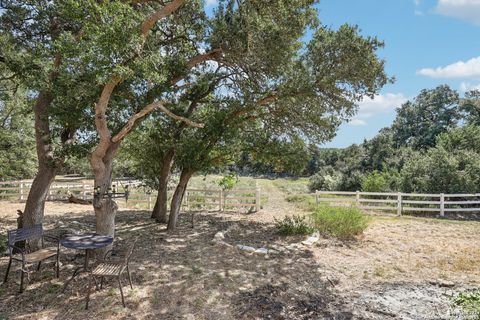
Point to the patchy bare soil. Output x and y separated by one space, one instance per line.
402 268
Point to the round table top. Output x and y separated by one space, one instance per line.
86 241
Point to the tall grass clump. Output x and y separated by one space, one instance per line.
295 225
343 223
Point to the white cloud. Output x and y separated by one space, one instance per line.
459 69
468 10
357 122
466 86
211 3
386 103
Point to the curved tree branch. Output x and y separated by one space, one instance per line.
148 24
101 106
213 54
146 110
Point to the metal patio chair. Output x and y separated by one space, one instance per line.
113 269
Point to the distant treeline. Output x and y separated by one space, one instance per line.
433 145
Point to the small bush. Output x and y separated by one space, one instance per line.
341 222
468 301
385 181
229 181
295 225
375 182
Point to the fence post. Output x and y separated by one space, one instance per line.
205 198
316 197
21 190
357 198
257 199
442 204
220 202
84 190
399 204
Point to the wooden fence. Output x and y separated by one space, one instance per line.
201 199
403 202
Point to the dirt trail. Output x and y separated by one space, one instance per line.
276 207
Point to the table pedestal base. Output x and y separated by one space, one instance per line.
78 270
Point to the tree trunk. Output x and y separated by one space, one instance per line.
35 205
105 212
178 197
159 212
34 208
105 207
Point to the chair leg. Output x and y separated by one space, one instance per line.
39 265
101 282
89 288
57 265
96 283
121 291
8 270
129 278
22 277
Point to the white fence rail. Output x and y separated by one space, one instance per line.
403 202
202 199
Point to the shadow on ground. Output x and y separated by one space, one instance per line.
184 275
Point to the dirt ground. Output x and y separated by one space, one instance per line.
402 268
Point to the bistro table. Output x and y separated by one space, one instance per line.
87 242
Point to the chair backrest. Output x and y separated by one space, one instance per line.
130 250
32 232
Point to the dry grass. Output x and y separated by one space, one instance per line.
407 248
184 275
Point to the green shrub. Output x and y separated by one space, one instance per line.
229 181
375 182
295 225
468 301
350 181
341 222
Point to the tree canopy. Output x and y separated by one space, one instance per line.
432 112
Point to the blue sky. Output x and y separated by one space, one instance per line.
427 43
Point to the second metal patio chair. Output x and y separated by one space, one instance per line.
112 269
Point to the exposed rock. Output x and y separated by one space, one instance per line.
311 240
246 248
262 250
219 236
442 283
